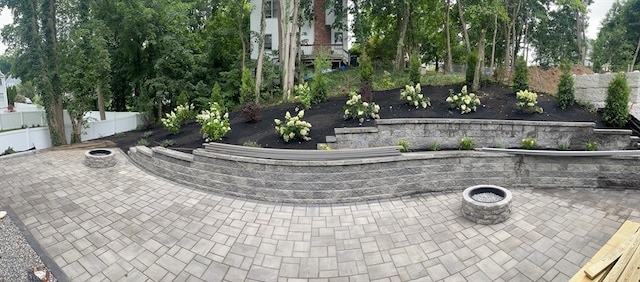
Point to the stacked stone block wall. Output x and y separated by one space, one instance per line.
385 177
592 88
421 133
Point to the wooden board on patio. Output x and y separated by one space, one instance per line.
622 239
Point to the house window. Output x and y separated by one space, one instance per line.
267 42
337 38
271 10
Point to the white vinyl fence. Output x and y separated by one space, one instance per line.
38 137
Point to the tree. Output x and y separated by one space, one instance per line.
288 35
34 37
260 50
565 96
616 109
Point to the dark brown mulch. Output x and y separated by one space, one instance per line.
498 102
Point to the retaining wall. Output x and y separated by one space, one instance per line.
421 133
592 88
384 177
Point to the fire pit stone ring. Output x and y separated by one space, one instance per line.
486 204
99 158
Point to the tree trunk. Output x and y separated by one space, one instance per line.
260 51
291 51
509 57
103 115
464 27
635 56
493 42
239 18
579 37
479 66
403 23
449 65
284 46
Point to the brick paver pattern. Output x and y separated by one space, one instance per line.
124 224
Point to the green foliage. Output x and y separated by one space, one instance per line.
167 143
365 70
12 92
563 146
174 120
414 68
521 76
120 134
414 96
142 142
293 127
472 61
323 146
357 109
591 146
251 144
147 134
434 146
443 79
616 109
319 84
527 102
303 95
387 81
404 146
247 88
8 151
528 143
466 143
565 97
215 123
464 101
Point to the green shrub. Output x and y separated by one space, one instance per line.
365 70
175 119
147 134
616 109
521 76
142 142
466 143
414 68
565 97
8 151
528 102
472 61
563 146
247 87
591 146
251 144
464 101
414 96
319 83
528 143
404 144
435 146
387 81
167 143
303 95
120 134
293 127
357 109
215 124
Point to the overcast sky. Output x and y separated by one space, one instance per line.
598 9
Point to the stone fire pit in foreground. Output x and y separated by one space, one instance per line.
486 204
99 158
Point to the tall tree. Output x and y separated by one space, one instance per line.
288 36
260 49
33 35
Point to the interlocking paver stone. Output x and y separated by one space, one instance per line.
122 223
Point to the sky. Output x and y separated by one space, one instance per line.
598 10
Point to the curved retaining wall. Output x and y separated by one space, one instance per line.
383 177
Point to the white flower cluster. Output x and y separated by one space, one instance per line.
414 96
176 118
293 127
215 124
357 109
528 101
466 102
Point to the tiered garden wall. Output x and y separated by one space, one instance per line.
592 88
382 177
422 133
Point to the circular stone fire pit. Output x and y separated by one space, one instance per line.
486 204
99 158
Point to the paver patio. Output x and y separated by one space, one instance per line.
123 224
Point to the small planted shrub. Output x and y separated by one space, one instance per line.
528 143
251 144
215 123
466 143
435 146
167 143
521 76
325 147
616 109
464 101
565 97
120 134
527 102
303 95
365 71
247 87
8 151
591 146
320 83
414 97
293 127
472 61
404 144
414 68
563 146
252 111
147 134
142 142
357 109
387 80
176 118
